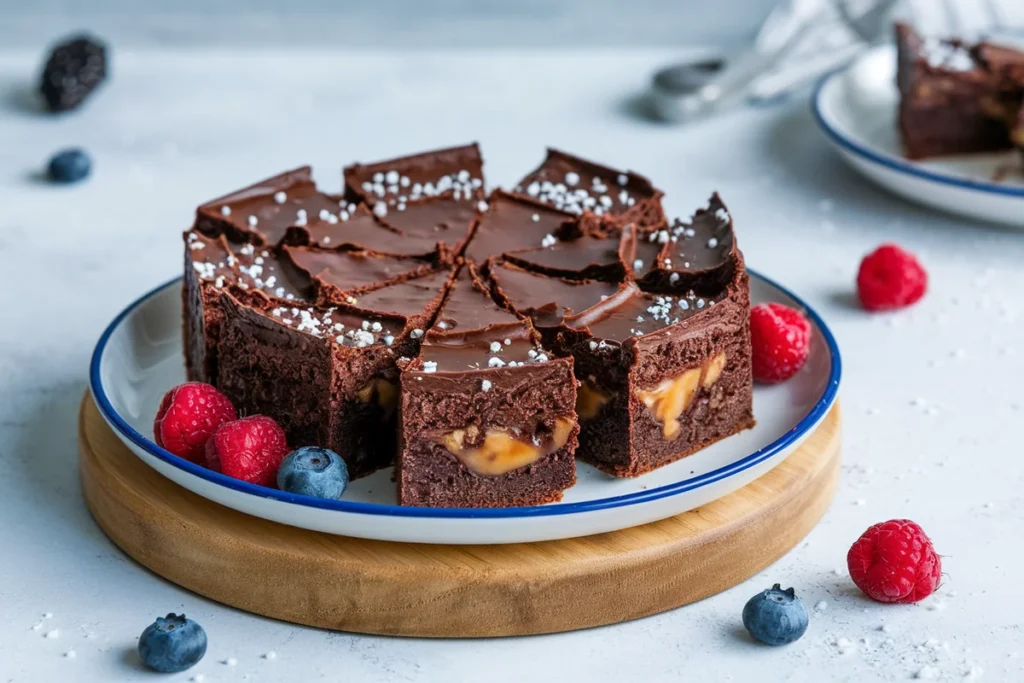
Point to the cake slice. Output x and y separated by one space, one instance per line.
575 186
263 212
487 415
661 376
328 375
360 230
511 223
432 196
956 98
697 254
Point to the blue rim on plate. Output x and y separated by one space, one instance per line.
896 163
800 429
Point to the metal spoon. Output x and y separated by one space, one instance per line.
687 92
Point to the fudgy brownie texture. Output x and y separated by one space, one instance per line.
487 414
484 339
956 98
578 186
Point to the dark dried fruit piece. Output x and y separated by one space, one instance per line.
73 70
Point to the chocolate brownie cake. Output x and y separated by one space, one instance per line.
956 98
479 342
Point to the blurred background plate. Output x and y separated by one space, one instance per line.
856 107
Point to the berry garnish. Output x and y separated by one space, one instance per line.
172 644
895 562
69 166
312 471
72 71
781 340
775 616
890 278
188 415
250 449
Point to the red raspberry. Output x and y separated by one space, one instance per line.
889 278
188 414
895 562
249 449
781 340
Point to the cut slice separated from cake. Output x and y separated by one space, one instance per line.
487 414
661 375
576 186
955 97
433 196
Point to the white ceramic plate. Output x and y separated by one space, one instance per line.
139 357
856 107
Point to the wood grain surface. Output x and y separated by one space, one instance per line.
365 586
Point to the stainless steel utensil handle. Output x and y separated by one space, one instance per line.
729 87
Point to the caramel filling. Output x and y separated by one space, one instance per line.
379 391
499 451
671 397
589 400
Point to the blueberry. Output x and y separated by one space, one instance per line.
172 644
775 616
312 471
69 166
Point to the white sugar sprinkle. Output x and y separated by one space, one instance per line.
380 209
485 385
225 210
280 197
638 264
416 334
392 177
623 179
548 241
712 243
495 362
572 178
481 206
429 366
495 347
253 221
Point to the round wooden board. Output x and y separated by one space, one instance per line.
352 584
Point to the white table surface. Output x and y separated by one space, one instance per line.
932 396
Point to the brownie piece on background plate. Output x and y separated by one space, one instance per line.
662 375
432 196
956 98
576 186
487 414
